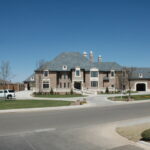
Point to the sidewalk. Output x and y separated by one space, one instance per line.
27 95
108 133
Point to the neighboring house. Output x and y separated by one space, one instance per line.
10 85
30 82
72 70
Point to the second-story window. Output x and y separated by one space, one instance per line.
45 73
65 75
112 73
77 73
107 74
94 73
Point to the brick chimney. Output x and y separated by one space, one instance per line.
91 57
84 54
99 59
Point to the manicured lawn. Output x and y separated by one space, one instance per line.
13 104
133 132
59 96
134 97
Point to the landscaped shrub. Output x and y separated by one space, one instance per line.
71 91
51 92
107 90
146 135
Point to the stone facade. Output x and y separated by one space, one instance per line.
65 81
72 70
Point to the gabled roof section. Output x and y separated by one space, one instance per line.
144 71
75 59
69 59
30 78
108 66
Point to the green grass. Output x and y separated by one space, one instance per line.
14 104
134 97
59 96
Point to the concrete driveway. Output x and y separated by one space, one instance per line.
93 100
28 95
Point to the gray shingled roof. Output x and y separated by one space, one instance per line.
144 71
30 78
75 59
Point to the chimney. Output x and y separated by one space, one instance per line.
99 59
91 57
84 54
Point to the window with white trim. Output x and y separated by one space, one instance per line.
140 75
94 83
65 75
94 73
77 73
112 73
45 73
64 67
45 84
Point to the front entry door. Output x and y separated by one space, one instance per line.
77 85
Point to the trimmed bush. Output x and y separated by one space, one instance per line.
71 91
107 90
146 135
52 92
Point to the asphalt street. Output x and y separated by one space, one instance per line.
65 129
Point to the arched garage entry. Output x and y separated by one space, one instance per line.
141 87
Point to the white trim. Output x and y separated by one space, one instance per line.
140 75
94 78
64 67
114 74
94 69
48 80
78 69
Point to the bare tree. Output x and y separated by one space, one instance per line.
5 70
40 63
125 78
129 72
5 73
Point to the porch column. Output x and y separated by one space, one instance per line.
73 85
81 85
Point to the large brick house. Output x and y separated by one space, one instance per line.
73 70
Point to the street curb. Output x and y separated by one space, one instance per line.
130 102
44 108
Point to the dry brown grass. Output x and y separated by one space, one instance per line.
133 132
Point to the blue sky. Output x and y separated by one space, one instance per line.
31 30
